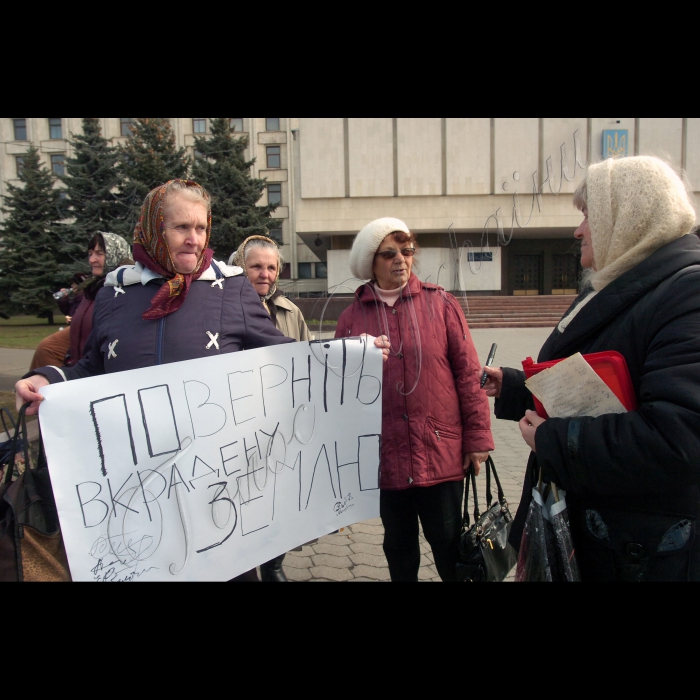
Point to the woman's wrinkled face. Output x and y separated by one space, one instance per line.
185 231
394 272
96 260
583 234
261 269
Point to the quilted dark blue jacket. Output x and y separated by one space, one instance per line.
220 315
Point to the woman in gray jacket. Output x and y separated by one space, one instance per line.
262 262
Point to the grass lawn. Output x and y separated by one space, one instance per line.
26 331
326 322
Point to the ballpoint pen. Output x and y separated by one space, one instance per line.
489 360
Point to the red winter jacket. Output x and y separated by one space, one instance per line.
426 430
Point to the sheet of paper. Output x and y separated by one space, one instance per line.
204 469
572 388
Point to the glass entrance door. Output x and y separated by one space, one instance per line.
527 275
565 271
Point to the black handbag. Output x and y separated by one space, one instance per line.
31 545
484 552
7 447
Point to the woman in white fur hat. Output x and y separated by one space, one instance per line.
435 418
633 479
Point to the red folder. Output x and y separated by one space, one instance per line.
610 366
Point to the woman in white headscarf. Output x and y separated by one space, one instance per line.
632 479
262 261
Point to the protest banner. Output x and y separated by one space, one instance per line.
204 469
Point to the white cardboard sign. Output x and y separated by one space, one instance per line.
204 469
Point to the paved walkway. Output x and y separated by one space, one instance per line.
13 364
355 553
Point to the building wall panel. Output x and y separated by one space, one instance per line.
661 137
692 153
419 144
555 133
371 150
516 152
468 153
322 155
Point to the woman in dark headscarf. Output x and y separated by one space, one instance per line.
106 252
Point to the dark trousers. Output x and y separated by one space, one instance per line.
248 576
439 508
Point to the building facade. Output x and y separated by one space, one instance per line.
490 198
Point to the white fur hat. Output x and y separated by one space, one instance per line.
368 240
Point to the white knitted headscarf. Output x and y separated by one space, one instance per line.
368 241
635 206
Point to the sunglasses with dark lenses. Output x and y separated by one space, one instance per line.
389 254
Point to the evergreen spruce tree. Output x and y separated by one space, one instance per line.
148 159
91 181
30 265
223 170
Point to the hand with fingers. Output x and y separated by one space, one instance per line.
494 383
382 342
528 427
475 458
28 390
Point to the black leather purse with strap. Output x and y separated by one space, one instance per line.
484 552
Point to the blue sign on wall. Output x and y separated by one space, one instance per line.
615 143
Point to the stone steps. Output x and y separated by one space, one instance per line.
515 312
512 324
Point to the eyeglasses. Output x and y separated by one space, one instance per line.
390 254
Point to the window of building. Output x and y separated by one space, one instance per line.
274 194
20 162
199 126
480 257
125 126
276 235
321 270
55 130
273 156
272 123
237 123
58 164
305 271
286 273
20 126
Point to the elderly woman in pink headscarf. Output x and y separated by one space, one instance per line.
175 303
